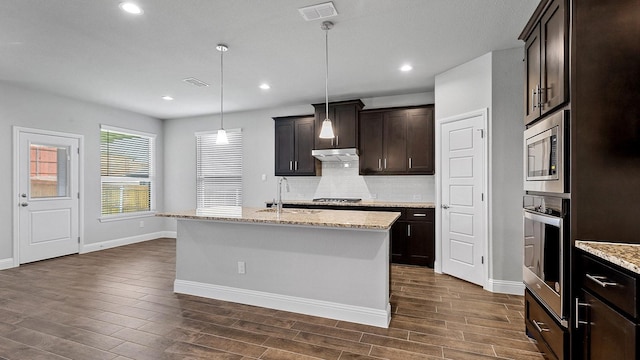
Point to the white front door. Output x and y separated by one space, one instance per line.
48 192
462 209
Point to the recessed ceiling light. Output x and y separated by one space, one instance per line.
167 97
131 8
265 86
406 68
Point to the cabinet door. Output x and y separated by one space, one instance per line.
346 117
304 163
609 335
420 141
284 147
371 133
420 243
553 77
395 142
532 76
399 242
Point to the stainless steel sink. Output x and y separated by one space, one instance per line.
292 211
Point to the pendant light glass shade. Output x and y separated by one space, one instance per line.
326 132
222 139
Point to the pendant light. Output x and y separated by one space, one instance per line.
327 129
221 139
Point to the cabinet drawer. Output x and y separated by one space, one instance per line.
415 214
544 329
611 284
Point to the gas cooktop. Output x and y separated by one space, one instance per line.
339 200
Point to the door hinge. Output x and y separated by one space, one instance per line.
481 196
481 133
482 259
78 195
78 239
78 148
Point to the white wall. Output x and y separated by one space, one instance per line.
259 154
507 128
494 82
38 110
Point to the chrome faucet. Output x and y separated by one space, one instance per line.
279 203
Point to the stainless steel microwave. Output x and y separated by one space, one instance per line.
546 153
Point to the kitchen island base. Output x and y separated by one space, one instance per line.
338 273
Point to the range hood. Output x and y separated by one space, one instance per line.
336 155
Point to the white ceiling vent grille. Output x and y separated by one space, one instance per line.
319 11
195 82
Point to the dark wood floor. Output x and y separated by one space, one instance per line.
119 304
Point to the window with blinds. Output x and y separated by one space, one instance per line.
126 172
219 170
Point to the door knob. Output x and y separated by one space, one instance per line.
24 204
444 206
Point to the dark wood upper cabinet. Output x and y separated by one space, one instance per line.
294 140
371 133
397 141
420 141
546 62
344 116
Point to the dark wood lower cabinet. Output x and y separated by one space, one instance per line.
412 235
552 338
608 317
608 334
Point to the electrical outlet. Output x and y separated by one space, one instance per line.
141 223
263 177
241 268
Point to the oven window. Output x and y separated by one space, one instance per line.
542 254
542 156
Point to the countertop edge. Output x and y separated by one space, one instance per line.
588 246
287 222
364 203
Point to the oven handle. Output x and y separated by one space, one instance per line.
545 219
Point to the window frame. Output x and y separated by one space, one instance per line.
152 179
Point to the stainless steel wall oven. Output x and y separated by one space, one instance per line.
546 252
546 154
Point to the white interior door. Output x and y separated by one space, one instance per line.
48 199
462 214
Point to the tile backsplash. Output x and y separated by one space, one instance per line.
342 180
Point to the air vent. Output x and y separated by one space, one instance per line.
195 82
319 11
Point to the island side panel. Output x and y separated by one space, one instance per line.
343 266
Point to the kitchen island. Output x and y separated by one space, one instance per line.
327 263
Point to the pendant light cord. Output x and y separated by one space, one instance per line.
221 91
326 78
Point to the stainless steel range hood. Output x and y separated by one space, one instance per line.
336 155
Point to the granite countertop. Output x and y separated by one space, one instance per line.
370 220
363 203
624 255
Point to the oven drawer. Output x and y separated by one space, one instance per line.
544 329
611 284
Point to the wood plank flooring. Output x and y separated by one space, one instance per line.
119 304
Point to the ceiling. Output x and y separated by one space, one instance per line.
91 50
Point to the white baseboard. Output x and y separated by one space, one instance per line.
86 248
505 287
357 314
6 263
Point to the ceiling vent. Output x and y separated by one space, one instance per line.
195 82
319 11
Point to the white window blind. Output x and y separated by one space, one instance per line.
126 171
219 170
